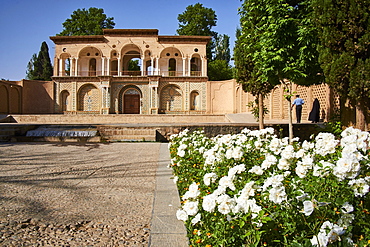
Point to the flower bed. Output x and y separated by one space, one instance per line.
254 189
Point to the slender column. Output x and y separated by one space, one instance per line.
156 97
76 64
189 66
108 98
119 66
142 66
157 65
60 67
183 66
102 66
152 64
72 67
56 67
108 66
204 66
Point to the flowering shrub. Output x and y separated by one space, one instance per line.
254 189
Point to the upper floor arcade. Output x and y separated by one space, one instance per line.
130 52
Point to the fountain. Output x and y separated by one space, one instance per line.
63 133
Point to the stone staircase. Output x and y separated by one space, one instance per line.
122 133
116 119
9 132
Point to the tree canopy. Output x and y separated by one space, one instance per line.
222 48
279 41
87 22
344 31
39 67
197 20
218 67
219 70
276 43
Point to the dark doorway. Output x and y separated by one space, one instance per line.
132 104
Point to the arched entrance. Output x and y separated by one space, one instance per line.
194 101
92 67
4 104
89 98
64 100
171 99
131 101
15 100
172 67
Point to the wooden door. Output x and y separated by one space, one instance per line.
132 104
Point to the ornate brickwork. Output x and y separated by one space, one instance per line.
171 99
89 98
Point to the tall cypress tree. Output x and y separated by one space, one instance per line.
30 74
45 64
39 67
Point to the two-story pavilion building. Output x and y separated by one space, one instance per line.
92 73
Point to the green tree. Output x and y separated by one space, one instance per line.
219 67
222 48
32 67
87 22
133 65
39 67
198 20
344 31
277 44
219 70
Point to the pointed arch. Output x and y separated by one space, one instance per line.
65 100
4 100
90 61
194 101
171 62
171 99
131 52
88 98
196 65
15 104
130 100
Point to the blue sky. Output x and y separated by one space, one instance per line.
25 24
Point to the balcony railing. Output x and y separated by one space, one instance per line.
134 73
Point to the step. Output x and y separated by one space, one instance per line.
127 138
54 139
4 138
127 134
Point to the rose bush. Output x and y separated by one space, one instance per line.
254 189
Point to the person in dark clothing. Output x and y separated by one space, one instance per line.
314 116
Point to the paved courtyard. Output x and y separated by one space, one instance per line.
57 194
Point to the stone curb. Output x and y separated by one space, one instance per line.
166 230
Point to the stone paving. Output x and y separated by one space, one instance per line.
57 194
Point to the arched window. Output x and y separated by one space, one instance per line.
194 101
67 67
92 67
172 67
114 67
65 101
